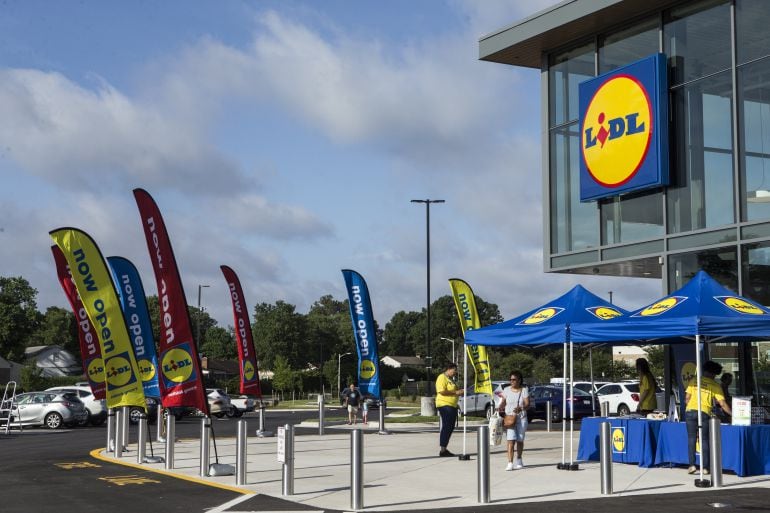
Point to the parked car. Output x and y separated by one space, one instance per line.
241 404
623 397
586 386
219 402
50 409
540 395
96 408
373 403
482 404
152 411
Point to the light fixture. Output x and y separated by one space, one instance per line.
760 195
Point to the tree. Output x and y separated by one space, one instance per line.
279 330
283 376
398 338
19 317
57 327
542 370
219 344
329 332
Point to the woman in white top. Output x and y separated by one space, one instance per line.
515 400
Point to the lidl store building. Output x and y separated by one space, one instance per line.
678 92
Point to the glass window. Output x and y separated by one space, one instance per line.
701 190
755 272
629 45
697 40
631 218
760 360
754 103
721 264
574 225
565 72
752 17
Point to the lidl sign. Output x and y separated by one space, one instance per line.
624 130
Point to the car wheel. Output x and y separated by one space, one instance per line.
97 421
490 410
84 421
232 411
623 410
237 413
53 420
134 414
555 415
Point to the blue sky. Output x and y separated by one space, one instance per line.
284 139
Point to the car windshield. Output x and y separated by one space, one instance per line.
634 388
581 393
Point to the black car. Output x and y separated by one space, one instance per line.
540 395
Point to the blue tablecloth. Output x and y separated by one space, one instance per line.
745 449
633 440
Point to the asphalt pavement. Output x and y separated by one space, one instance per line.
402 472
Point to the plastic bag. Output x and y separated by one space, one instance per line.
495 429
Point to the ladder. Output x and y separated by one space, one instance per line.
6 405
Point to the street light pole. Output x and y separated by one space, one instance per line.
198 324
454 356
428 358
339 369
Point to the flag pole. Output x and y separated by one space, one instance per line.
464 455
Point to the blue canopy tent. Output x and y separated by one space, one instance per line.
702 310
550 324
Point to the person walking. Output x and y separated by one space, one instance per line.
515 401
710 392
648 401
447 393
352 400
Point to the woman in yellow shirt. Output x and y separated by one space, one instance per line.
446 404
710 392
647 387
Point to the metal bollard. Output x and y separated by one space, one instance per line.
240 454
321 414
170 439
482 443
124 430
159 424
205 458
383 430
288 464
605 458
111 430
117 448
141 442
356 469
715 439
604 409
548 415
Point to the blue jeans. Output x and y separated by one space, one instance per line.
448 416
691 418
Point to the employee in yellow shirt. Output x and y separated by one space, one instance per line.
446 404
710 392
648 401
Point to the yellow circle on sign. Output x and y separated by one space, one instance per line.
146 369
741 306
660 307
617 130
619 440
248 371
177 365
604 312
541 316
96 370
118 371
367 370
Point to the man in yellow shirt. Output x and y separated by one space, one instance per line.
710 392
446 404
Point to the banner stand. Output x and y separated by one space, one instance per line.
465 456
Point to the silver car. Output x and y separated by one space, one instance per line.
50 409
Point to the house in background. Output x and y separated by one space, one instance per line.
54 361
9 371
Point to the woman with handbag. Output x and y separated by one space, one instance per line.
514 408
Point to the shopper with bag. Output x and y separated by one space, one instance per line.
514 408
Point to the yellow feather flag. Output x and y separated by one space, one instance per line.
469 320
96 290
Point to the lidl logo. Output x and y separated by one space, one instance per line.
96 370
118 371
662 306
248 371
542 315
740 305
622 128
146 369
367 370
604 312
619 440
177 366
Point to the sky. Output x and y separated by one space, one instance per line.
284 139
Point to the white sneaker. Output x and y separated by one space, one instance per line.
518 464
509 466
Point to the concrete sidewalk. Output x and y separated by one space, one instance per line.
402 471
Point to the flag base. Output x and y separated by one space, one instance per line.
464 457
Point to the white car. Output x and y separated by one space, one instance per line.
97 408
586 386
623 398
52 409
482 403
241 404
219 402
